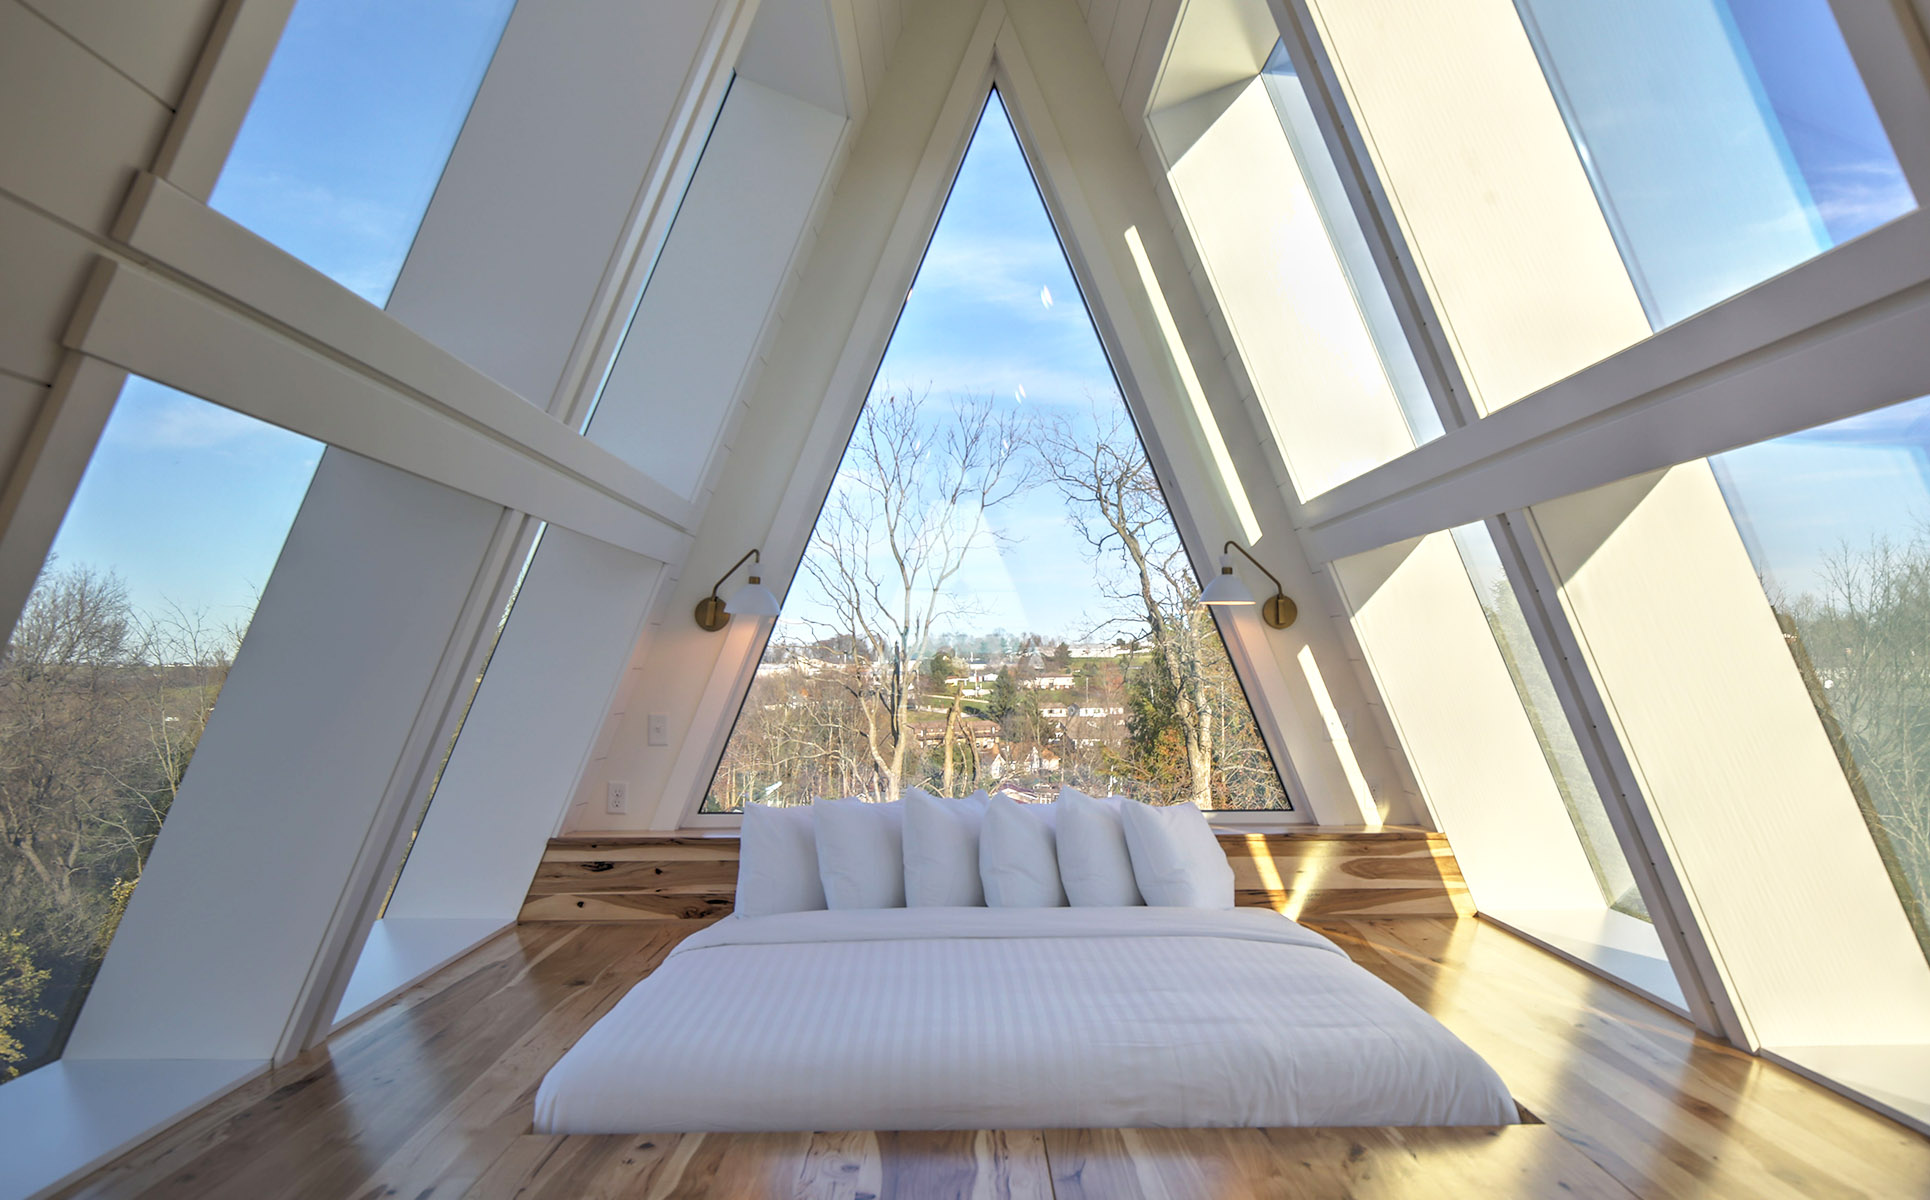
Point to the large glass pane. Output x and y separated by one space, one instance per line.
1539 700
350 129
995 593
1571 177
112 673
1728 140
1837 522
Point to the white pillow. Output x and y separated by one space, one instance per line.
777 862
1094 863
861 852
941 849
1177 861
1018 855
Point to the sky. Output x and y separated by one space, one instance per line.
1800 499
1728 140
341 152
995 311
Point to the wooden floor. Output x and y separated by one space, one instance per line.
431 1098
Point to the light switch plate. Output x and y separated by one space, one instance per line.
659 729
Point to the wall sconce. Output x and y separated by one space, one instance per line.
751 600
1278 611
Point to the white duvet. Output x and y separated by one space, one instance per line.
1005 1018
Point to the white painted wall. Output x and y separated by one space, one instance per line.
677 377
1479 761
579 101
529 731
1272 264
1526 277
249 870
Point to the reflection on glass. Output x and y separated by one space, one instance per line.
1543 706
351 126
1350 245
1837 522
112 673
1727 140
995 593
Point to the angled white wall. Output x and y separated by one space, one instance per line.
529 730
689 348
1477 756
248 873
1218 469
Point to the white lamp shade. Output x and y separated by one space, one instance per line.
753 600
1226 588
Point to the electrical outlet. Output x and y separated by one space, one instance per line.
617 798
659 729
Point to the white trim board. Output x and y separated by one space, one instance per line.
71 1116
1619 947
1894 1080
400 951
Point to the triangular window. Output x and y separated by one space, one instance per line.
995 593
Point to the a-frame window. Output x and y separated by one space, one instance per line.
995 594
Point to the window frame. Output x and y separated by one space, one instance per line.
190 299
1748 369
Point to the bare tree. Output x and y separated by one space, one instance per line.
1863 648
909 506
101 709
61 740
182 662
1117 506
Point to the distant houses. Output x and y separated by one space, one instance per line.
1048 683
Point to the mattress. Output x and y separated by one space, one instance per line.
989 1018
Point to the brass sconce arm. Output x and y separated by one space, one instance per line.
713 612
1277 610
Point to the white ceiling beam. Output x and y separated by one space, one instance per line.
1839 335
163 330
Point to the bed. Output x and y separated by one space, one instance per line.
977 1018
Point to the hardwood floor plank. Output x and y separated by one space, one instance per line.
514 1172
277 1099
1665 1110
841 1166
1360 1164
442 1156
755 1166
327 1122
431 1097
966 1165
